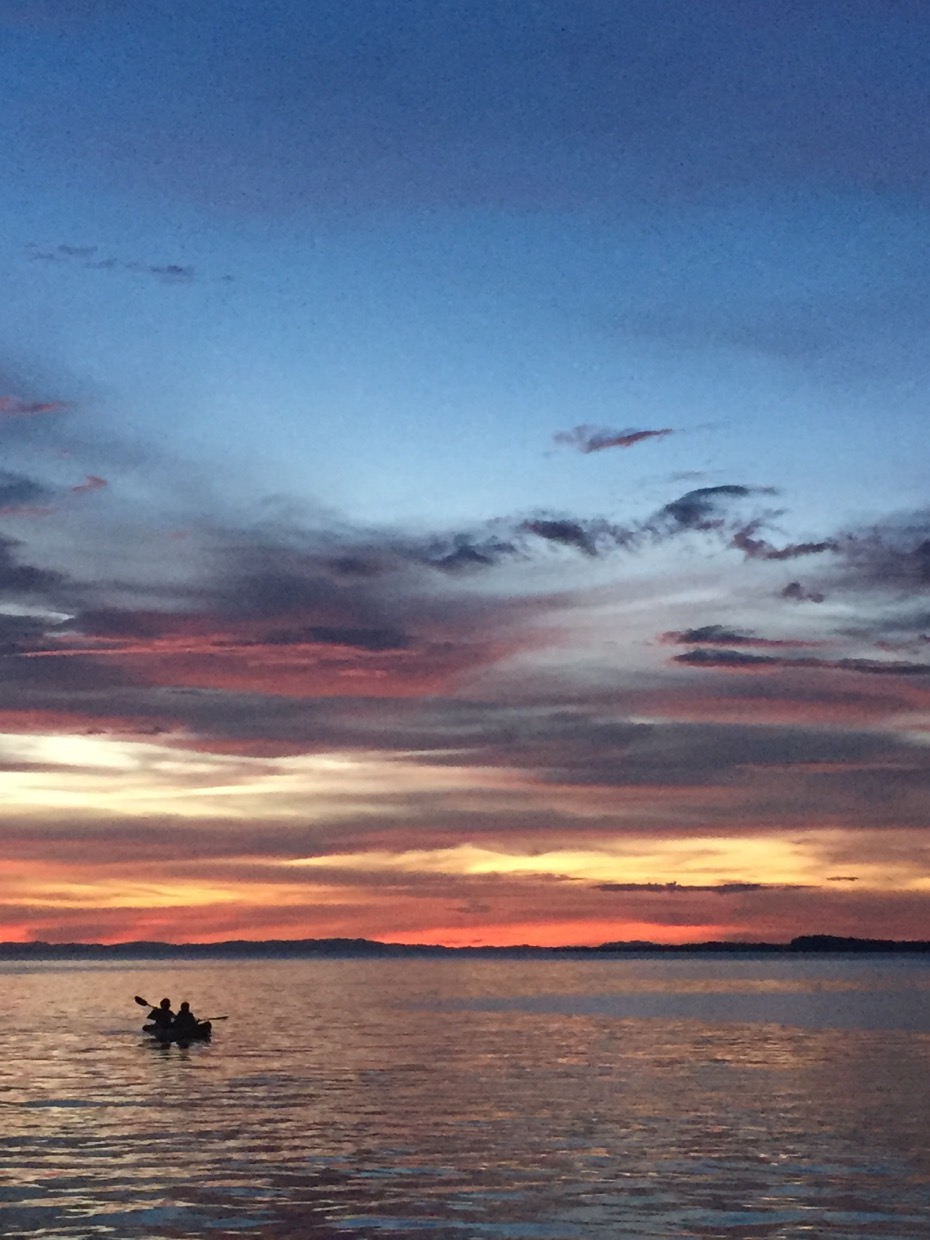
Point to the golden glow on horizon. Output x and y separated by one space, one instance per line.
486 890
116 893
771 859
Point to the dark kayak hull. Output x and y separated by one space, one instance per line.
160 1033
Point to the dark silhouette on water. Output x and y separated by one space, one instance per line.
186 1023
162 1017
285 949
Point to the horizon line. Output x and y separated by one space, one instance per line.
362 945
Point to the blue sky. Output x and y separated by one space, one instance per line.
371 373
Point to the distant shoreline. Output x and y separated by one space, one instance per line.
308 949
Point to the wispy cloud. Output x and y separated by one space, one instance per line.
92 482
565 533
596 439
720 889
799 593
16 407
739 660
760 549
720 635
89 257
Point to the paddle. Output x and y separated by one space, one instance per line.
145 1003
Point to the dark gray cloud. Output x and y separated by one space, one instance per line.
799 593
25 581
20 633
701 754
565 533
719 635
760 549
701 509
20 492
712 634
742 661
464 552
285 641
892 555
704 510
88 256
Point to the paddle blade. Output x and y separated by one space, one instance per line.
142 1002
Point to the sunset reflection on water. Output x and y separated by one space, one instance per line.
473 1098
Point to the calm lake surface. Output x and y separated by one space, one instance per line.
467 1098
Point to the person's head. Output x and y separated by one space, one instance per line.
165 1003
185 1006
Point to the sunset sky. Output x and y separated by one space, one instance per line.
465 469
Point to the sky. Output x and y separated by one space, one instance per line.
463 470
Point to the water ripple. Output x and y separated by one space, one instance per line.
491 1100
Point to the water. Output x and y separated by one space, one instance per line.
471 1099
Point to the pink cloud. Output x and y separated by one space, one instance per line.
90 483
594 439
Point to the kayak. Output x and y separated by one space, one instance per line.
166 1034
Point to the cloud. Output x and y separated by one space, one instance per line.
718 635
719 889
701 509
91 483
275 619
741 661
894 554
25 581
760 549
88 257
19 494
565 533
593 439
801 594
278 642
16 407
892 557
464 552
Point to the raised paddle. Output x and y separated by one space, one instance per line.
145 1003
